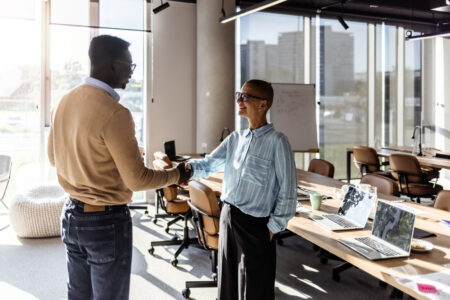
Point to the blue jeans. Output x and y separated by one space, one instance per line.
99 247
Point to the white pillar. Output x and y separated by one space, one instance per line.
215 73
400 84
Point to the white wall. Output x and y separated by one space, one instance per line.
172 114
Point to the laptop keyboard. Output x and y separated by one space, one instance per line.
339 220
377 246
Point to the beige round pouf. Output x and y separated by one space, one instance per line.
37 212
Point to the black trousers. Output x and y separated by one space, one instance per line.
247 257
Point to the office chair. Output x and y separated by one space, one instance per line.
318 166
5 175
366 160
443 200
171 192
384 185
176 207
322 167
413 180
205 216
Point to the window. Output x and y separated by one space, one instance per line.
271 49
339 68
413 89
22 131
342 89
20 91
386 85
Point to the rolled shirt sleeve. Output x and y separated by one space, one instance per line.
212 163
286 176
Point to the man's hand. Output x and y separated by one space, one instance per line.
271 235
185 174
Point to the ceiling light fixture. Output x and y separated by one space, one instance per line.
343 23
163 6
427 36
249 10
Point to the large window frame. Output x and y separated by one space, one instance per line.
43 15
311 60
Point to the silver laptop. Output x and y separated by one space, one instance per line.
353 212
391 237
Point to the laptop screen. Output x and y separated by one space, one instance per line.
394 225
356 205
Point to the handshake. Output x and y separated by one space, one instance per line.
185 173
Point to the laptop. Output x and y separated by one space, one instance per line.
169 149
391 237
352 214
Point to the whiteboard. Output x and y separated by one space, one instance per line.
293 112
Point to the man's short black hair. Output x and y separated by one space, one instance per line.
106 48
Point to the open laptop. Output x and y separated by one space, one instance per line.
353 212
391 237
169 149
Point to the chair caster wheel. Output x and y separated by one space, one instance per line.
151 251
154 221
167 229
186 293
336 277
174 262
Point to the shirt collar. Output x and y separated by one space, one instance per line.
259 131
101 85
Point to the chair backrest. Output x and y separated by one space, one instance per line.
443 200
170 193
204 199
322 167
366 158
162 156
406 164
385 185
5 167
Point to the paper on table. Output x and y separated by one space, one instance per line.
435 286
302 209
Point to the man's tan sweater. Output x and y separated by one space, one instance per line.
92 144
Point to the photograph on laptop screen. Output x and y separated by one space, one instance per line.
357 205
393 225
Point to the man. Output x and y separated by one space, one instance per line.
259 197
92 144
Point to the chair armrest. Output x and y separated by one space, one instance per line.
201 212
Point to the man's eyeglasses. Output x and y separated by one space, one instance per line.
131 66
245 97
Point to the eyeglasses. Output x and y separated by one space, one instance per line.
130 65
245 97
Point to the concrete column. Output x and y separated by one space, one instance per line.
215 73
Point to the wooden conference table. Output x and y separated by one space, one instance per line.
385 270
427 159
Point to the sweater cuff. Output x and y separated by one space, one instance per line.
173 176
